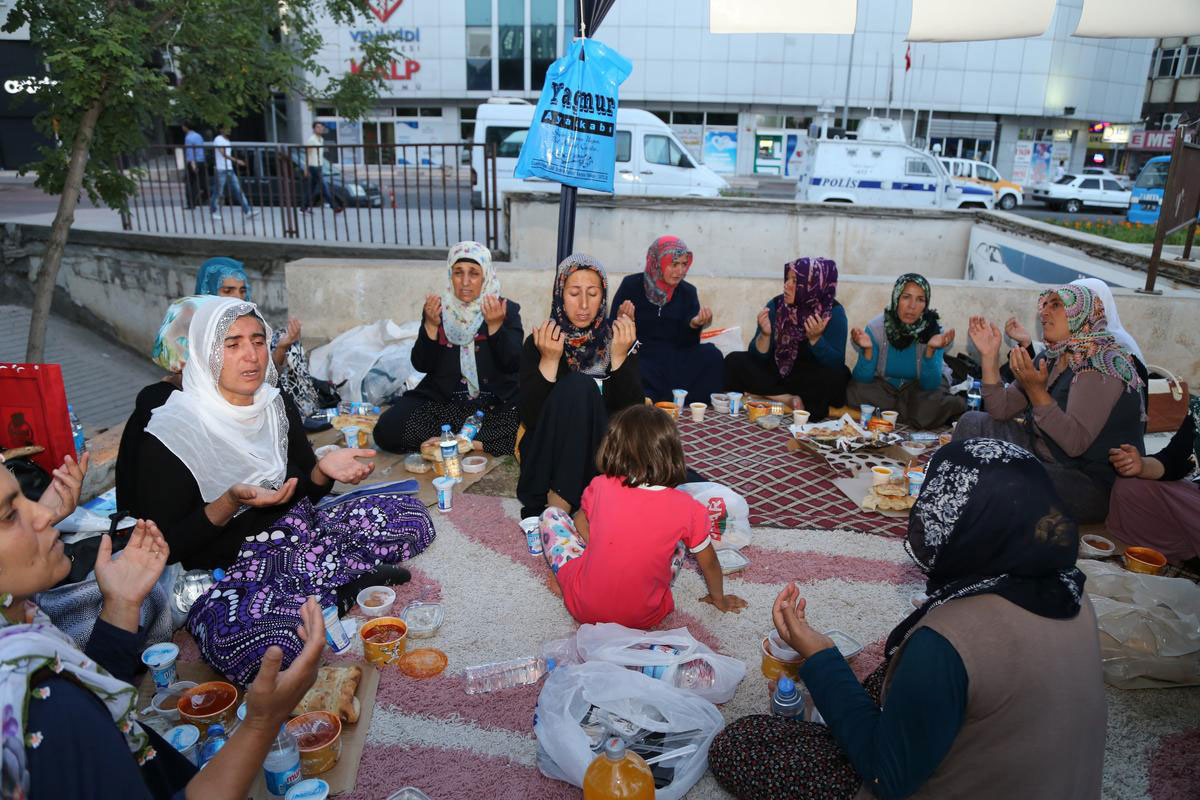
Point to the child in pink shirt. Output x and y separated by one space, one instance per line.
616 561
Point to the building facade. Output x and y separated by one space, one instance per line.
742 103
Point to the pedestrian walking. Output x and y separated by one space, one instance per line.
224 161
314 159
196 174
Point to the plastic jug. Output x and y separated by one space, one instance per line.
618 773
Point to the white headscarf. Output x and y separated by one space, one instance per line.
222 444
1113 319
461 320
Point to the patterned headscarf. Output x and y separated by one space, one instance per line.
461 320
213 273
588 350
899 334
1090 346
660 255
170 346
816 288
989 521
34 645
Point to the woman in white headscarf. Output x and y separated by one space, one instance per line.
226 471
469 348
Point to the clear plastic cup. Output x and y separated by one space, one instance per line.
679 396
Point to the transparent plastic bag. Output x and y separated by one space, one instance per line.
375 357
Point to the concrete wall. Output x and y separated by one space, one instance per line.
745 237
333 296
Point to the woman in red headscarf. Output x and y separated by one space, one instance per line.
669 321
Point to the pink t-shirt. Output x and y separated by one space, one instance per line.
624 575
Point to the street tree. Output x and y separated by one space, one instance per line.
116 68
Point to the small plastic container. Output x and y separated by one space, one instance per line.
185 739
474 464
423 619
409 793
731 561
375 601
310 789
847 645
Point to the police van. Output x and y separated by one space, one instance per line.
878 168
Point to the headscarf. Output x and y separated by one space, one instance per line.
222 444
588 350
34 645
988 521
1090 346
1114 326
659 256
816 288
900 334
170 346
213 273
461 320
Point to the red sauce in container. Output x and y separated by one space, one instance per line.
384 634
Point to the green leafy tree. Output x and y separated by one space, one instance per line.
107 87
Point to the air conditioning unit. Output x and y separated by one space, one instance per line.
1171 121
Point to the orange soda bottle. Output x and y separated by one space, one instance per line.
618 774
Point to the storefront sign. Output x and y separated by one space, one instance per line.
720 150
395 71
383 9
1151 140
1117 134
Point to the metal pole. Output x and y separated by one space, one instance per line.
849 71
566 222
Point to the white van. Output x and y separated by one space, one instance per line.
878 168
650 160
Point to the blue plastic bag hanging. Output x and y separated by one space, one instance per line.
572 137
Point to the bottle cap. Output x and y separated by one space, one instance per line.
614 748
445 429
216 729
218 574
786 688
550 664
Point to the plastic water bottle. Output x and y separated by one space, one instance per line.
470 428
449 447
214 740
694 674
618 774
788 700
192 585
974 396
281 769
506 674
77 432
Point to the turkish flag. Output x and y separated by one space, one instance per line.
908 58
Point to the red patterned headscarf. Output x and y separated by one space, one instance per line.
660 255
816 289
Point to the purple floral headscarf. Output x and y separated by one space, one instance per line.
816 288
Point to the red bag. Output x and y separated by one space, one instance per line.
33 411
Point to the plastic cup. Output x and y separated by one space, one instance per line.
881 476
160 658
679 395
445 493
185 739
335 634
915 479
889 417
735 403
351 434
865 412
697 411
800 416
532 526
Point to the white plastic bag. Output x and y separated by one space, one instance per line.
627 647
1149 626
727 340
564 748
728 514
377 356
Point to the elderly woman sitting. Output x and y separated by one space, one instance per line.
1070 405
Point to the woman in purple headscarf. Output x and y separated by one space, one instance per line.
798 353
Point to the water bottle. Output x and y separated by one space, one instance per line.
281 769
974 396
506 674
788 700
77 432
192 585
618 773
694 674
214 740
449 447
470 428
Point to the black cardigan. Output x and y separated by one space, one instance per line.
497 359
622 388
148 399
1176 457
168 494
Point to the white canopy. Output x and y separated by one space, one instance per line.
782 16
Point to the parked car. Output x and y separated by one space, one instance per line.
1073 192
1008 194
263 184
1148 191
650 160
1104 173
879 168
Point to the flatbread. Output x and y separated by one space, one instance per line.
333 692
364 422
890 490
871 501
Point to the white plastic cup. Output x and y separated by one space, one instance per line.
889 417
532 526
160 658
185 739
445 493
679 395
881 476
865 412
800 416
915 480
335 634
735 403
697 411
351 434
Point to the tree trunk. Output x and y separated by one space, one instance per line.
43 291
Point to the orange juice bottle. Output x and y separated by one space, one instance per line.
617 774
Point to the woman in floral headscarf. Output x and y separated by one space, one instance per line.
798 353
901 363
669 321
469 347
577 368
1076 401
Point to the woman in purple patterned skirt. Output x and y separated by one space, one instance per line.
225 470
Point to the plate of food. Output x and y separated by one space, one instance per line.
843 434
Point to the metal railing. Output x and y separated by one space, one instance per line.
416 195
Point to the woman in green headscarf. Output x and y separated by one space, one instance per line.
901 359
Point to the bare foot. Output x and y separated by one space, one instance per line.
552 584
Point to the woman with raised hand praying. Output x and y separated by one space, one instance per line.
901 359
469 347
1070 405
669 321
577 368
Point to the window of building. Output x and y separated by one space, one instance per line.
720 118
570 9
512 44
687 117
466 125
661 150
430 111
1191 62
508 141
406 112
1168 62
479 44
543 45
624 145
326 111
917 166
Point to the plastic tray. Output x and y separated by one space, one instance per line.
423 619
409 793
847 645
731 561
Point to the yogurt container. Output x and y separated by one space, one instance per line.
351 434
335 634
735 403
310 789
185 739
865 412
915 479
160 658
533 535
679 395
445 493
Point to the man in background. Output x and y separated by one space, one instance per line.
196 174
315 160
224 160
